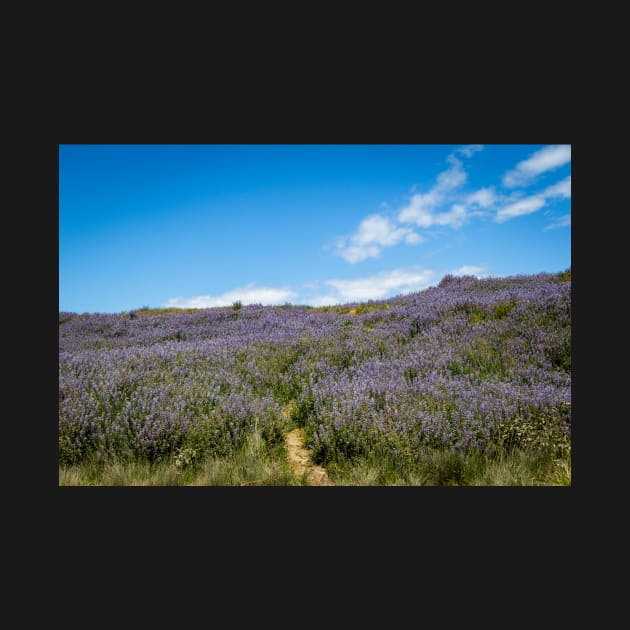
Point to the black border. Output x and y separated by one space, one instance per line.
329 527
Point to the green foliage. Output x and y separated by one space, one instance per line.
476 314
560 354
483 359
237 305
370 307
146 311
374 321
503 309
343 446
207 437
416 327
565 276
359 309
540 432
304 409
98 344
410 374
274 366
214 438
449 468
342 358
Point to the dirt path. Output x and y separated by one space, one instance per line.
300 460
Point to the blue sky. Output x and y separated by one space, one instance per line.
206 225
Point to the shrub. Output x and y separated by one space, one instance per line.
565 276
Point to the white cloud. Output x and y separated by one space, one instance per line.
547 159
421 207
452 178
456 217
563 221
354 254
561 189
249 294
419 210
469 270
470 149
413 238
520 208
381 285
378 229
425 210
374 233
445 204
484 198
531 204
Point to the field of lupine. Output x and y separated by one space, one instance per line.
471 366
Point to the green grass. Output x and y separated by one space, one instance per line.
353 311
444 468
258 465
255 464
145 311
138 473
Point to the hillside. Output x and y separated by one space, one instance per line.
468 367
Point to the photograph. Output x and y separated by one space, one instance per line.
259 315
